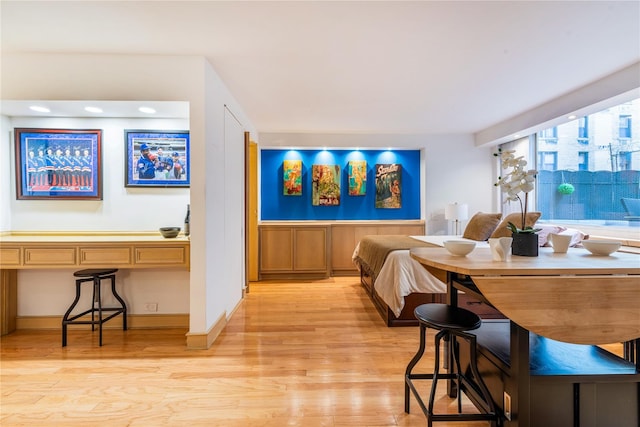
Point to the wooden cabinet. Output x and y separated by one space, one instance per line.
79 251
345 237
93 252
293 251
289 249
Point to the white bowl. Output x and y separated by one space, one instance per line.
601 247
459 247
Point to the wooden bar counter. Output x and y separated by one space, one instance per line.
54 250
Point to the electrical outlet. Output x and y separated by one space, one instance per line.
507 406
151 307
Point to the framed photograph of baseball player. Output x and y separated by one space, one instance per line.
156 158
58 164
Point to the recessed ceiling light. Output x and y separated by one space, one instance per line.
93 109
571 117
40 109
147 110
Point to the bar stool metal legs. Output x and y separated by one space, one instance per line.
451 323
95 276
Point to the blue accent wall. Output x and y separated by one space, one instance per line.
276 206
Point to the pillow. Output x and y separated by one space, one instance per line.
515 217
546 229
481 225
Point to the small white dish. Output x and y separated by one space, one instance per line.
601 247
459 247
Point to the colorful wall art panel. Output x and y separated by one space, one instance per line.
357 177
389 186
326 185
292 174
277 205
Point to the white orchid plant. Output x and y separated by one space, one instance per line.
516 179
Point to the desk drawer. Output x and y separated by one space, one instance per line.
105 256
168 256
58 256
10 257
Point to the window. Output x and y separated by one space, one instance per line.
625 126
548 160
583 130
583 160
624 160
549 135
599 165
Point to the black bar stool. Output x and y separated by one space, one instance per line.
96 276
452 323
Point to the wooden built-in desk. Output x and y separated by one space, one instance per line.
569 302
41 250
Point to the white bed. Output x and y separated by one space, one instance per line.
401 275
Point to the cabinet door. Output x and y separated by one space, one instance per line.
343 242
310 249
276 249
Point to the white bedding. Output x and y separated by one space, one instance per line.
402 275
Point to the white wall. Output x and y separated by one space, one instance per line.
160 78
43 293
453 169
49 292
122 208
6 167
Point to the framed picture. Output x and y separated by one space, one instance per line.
357 177
325 185
58 164
292 177
156 158
389 186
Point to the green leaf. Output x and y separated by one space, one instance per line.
525 230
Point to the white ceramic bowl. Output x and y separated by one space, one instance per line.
601 247
459 247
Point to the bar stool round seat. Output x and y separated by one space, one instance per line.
443 316
95 276
452 323
90 272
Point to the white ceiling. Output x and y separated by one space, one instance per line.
363 66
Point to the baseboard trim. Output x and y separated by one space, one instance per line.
134 321
202 341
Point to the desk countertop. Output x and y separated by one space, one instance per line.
89 237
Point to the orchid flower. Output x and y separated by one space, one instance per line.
516 179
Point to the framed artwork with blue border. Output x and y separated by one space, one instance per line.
156 158
61 164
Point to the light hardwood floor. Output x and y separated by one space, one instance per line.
294 354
